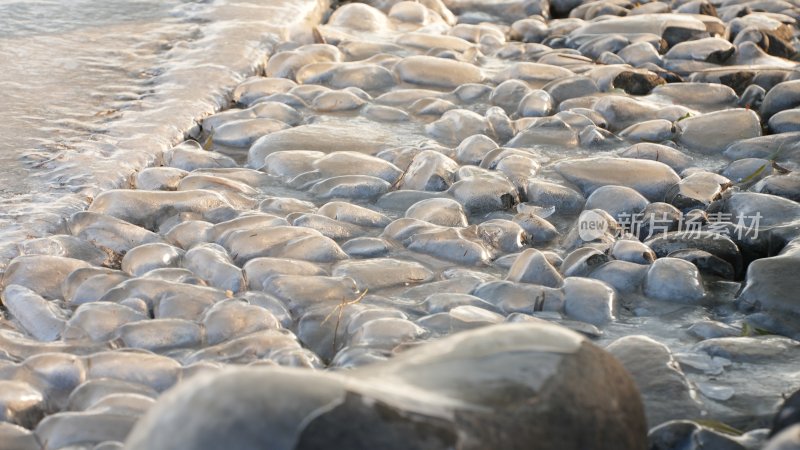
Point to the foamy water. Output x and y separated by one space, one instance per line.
94 90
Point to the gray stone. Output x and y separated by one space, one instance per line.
770 284
697 190
353 163
39 318
633 251
383 272
439 211
652 179
429 171
350 187
147 257
619 201
456 125
590 301
531 266
666 392
537 103
484 194
712 133
437 72
41 274
503 236
563 199
674 280
783 96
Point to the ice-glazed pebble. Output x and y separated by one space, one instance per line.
358 16
473 149
437 72
531 266
150 256
353 163
537 103
259 270
160 178
65 429
732 125
633 251
386 333
302 291
458 124
619 201
331 228
451 244
429 171
74 292
381 273
354 214
527 298
649 178
443 302
354 187
657 152
187 234
256 87
439 211
66 246
190 156
99 321
41 274
484 193
242 133
38 317
221 232
508 93
337 101
210 262
366 247
502 236
589 301
160 335
674 280
149 208
623 276
110 232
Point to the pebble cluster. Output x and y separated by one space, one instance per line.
625 170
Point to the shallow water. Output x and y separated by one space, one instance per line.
94 90
68 70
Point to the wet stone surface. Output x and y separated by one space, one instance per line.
423 193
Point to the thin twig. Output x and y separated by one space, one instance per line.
340 307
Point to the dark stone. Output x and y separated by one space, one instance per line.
787 415
783 96
716 244
637 83
707 263
656 219
738 80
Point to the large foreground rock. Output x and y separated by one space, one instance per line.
507 386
